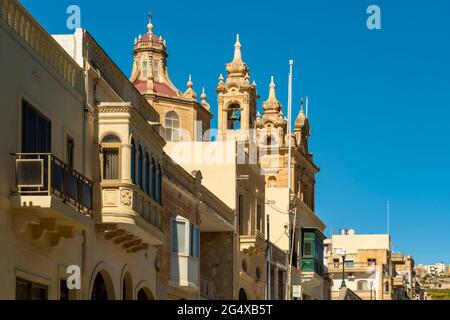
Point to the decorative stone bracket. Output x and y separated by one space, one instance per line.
121 237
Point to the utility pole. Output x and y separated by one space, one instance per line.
269 259
291 233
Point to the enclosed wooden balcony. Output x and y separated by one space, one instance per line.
50 196
130 217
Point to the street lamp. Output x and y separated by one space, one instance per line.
343 255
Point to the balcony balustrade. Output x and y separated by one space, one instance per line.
42 174
51 197
130 217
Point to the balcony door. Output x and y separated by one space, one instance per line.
36 130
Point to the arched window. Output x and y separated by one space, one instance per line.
234 117
147 174
386 286
159 197
172 126
153 179
144 69
110 153
271 144
140 155
133 161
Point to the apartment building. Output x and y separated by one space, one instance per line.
365 264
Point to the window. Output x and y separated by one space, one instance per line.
178 236
241 213
371 262
349 264
194 241
26 290
259 219
363 285
133 161
185 234
295 248
36 130
144 69
155 69
153 178
139 177
234 117
70 147
172 126
147 174
159 189
110 157
386 287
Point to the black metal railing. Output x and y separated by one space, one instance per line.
45 174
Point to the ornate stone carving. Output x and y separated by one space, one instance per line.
125 197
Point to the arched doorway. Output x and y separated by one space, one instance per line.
145 294
242 295
102 287
127 287
99 291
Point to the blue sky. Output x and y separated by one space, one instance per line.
379 100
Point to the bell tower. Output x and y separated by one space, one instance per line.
236 99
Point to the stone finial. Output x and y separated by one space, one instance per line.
150 24
203 102
203 96
190 84
272 93
190 93
237 51
139 38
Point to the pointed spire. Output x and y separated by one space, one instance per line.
272 94
190 84
203 96
140 38
150 24
237 51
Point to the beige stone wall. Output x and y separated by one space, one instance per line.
216 261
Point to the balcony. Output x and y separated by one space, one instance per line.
252 244
353 266
278 256
130 217
184 271
50 196
397 258
399 281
